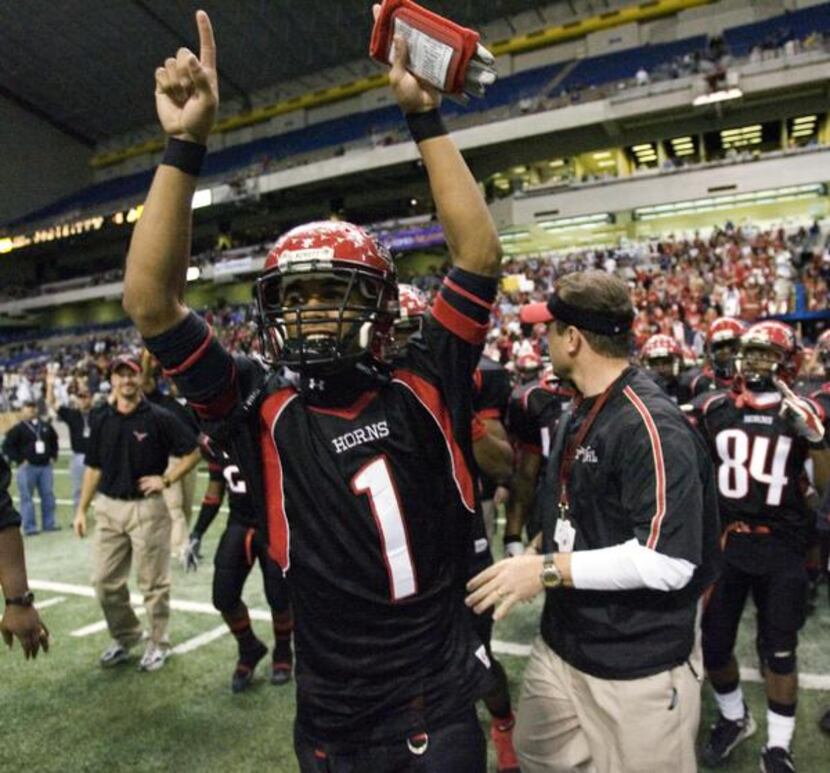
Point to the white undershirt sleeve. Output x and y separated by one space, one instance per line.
628 566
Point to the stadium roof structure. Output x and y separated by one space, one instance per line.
86 66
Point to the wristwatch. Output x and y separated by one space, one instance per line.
26 600
551 576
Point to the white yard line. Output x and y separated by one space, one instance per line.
807 681
101 625
50 602
200 640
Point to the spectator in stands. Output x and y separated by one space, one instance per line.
32 444
77 420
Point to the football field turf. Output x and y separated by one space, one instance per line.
64 713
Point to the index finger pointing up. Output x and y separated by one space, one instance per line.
207 45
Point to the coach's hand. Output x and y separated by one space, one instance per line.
25 624
79 523
187 88
413 95
504 583
151 484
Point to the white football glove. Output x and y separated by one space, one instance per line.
192 554
800 413
513 546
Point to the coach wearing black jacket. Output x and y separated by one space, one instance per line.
629 538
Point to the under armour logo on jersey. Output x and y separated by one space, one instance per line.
139 436
316 383
586 454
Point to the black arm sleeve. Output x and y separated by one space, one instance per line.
203 371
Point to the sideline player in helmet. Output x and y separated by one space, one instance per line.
374 547
662 356
760 435
723 339
494 458
528 367
242 543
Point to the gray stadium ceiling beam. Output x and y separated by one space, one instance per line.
227 81
34 110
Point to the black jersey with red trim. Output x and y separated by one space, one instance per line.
370 501
492 388
759 462
533 413
491 395
243 506
642 473
371 508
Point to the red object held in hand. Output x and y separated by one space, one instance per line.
439 49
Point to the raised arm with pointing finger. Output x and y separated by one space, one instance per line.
187 95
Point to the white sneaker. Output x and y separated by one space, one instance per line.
114 655
153 658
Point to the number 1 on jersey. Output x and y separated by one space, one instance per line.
375 480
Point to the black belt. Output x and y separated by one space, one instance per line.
127 498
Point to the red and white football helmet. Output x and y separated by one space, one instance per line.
413 305
768 350
662 354
528 366
723 341
327 297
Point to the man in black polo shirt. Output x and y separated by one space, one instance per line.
629 537
32 444
20 618
129 447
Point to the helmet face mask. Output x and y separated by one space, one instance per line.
722 355
327 298
768 351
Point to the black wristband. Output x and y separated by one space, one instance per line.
425 126
184 155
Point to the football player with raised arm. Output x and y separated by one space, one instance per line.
367 469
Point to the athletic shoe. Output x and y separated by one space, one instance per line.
501 733
153 658
114 655
775 759
725 736
280 673
53 528
243 674
824 722
31 533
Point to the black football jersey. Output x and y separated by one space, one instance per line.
534 411
234 474
370 510
491 395
759 461
368 482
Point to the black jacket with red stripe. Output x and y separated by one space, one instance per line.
641 472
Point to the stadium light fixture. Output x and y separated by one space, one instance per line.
804 119
716 203
202 198
193 273
581 221
717 96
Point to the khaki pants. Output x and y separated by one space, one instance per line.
570 721
179 500
125 529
